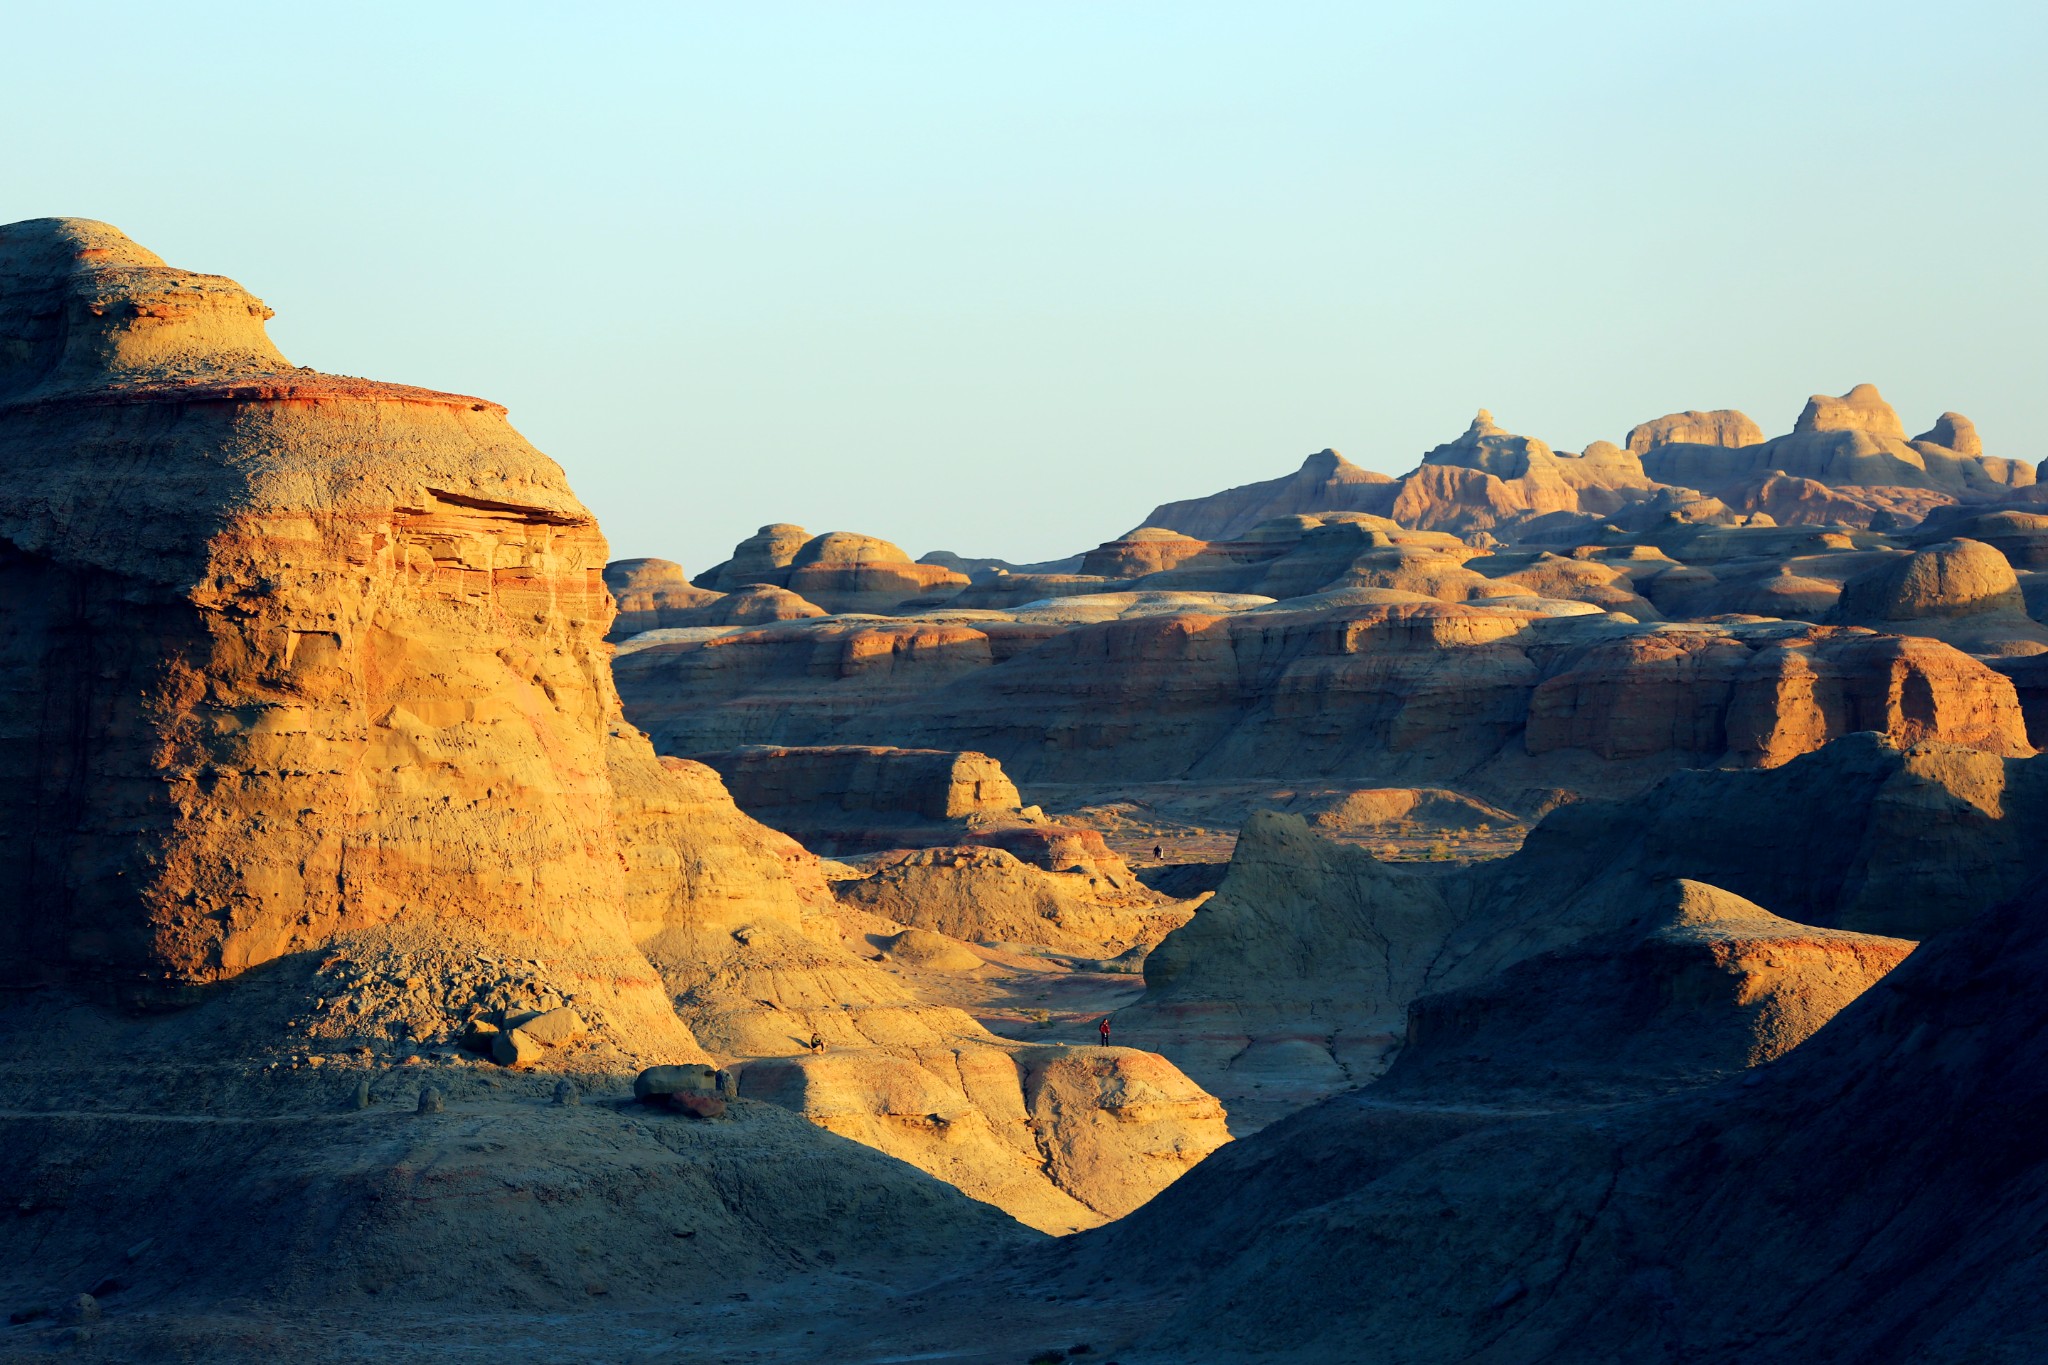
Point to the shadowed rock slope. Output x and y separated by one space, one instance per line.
1298 976
1876 1195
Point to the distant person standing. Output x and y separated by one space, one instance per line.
1158 853
1103 1029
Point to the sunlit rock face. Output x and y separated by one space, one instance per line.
297 662
289 653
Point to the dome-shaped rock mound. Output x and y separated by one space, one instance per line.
1957 578
1721 427
933 951
762 557
652 594
752 605
1953 431
843 571
1860 409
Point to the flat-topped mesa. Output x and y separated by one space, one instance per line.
1860 409
1720 427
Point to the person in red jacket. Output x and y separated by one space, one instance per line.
1103 1029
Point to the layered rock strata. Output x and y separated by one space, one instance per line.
322 676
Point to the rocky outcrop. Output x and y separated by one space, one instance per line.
2020 534
763 557
1721 427
1705 984
1865 1198
1953 431
1493 697
1762 702
1326 482
1855 440
843 572
652 594
852 795
1956 578
333 659
1067 1138
1960 591
753 605
1299 974
983 894
1847 460
840 571
323 684
1149 549
1860 409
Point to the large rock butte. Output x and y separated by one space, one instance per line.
324 668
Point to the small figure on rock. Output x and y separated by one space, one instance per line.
1103 1029
1158 853
816 1044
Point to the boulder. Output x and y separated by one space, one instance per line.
554 1027
516 1047
659 1082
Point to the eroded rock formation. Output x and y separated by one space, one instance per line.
325 669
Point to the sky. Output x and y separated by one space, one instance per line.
999 278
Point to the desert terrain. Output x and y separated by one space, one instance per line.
1549 905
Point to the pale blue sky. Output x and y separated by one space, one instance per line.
998 278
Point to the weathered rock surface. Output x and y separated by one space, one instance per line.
1326 482
987 895
1864 1198
1721 427
763 557
1300 971
332 660
845 794
1489 697
1956 578
839 571
1703 985
330 674
652 594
